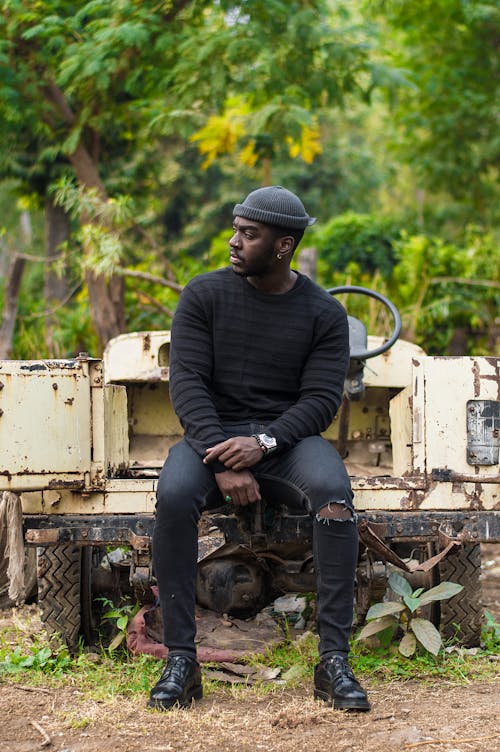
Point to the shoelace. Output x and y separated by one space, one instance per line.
342 666
174 668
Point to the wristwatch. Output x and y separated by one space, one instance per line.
267 443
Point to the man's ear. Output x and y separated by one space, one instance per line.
285 245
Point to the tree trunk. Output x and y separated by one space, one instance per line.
57 228
107 299
11 302
106 304
106 296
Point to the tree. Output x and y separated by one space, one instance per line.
92 84
447 113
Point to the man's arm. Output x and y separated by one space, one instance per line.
191 367
321 387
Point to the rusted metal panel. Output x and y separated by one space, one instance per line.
438 496
94 530
449 384
138 356
483 432
394 367
45 423
123 495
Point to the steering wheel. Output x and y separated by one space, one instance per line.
359 349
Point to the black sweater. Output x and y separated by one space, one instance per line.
238 354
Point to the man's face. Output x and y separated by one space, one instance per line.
253 248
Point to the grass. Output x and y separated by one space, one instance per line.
28 656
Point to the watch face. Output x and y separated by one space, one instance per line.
268 441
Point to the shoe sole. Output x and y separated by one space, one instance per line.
361 706
195 694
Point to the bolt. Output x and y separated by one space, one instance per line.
54 387
1 412
1 385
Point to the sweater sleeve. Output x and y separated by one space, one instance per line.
191 366
321 387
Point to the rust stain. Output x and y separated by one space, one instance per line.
56 483
146 343
477 379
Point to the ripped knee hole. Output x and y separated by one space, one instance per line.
335 511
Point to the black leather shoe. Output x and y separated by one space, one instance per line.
179 684
335 683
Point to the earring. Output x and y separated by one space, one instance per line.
279 256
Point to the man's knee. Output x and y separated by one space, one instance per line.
338 511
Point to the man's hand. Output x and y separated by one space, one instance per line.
237 453
241 487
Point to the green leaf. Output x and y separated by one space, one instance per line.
427 634
382 609
408 645
412 602
376 626
399 584
116 641
122 622
441 592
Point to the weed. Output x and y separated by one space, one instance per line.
53 659
391 617
491 634
119 615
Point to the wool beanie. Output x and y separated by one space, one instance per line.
275 206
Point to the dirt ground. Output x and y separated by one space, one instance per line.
406 715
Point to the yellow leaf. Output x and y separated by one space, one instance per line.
222 132
248 155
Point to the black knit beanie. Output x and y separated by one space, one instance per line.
274 206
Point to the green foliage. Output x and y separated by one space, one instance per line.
53 659
130 83
447 116
120 616
491 634
398 616
366 240
442 287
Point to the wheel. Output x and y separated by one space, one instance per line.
358 350
462 615
59 590
71 589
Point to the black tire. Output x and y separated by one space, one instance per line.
462 615
59 591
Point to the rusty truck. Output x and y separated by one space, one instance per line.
82 442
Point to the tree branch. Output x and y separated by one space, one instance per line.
151 278
155 303
56 96
462 281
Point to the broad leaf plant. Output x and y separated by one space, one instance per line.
406 615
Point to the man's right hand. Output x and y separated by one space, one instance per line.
241 486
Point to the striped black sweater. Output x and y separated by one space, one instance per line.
238 354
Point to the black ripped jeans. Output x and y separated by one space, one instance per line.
310 475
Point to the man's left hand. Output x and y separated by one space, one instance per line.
237 453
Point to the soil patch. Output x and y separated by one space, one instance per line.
412 715
427 716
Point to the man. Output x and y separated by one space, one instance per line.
258 359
